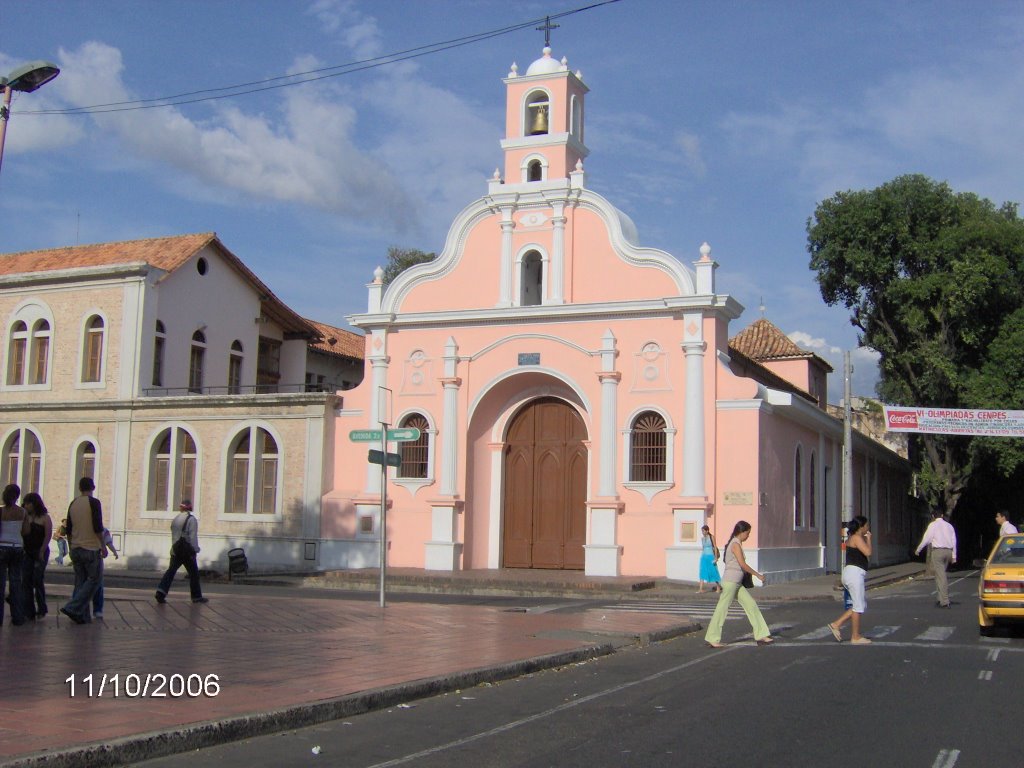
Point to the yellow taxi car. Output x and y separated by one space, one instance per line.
1001 585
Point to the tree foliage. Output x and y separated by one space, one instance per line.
400 259
934 281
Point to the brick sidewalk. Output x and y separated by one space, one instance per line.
279 662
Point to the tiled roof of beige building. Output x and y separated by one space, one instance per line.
338 341
165 253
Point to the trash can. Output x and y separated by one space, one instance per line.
237 562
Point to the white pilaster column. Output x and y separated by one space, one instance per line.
450 416
505 281
693 418
375 292
557 267
609 379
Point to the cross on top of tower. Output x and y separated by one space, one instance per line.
546 28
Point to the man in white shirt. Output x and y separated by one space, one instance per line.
1005 526
941 537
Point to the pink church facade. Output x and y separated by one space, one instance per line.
579 401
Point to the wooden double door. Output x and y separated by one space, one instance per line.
545 513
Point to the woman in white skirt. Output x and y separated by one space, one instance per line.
858 550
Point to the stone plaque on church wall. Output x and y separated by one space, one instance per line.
529 358
738 498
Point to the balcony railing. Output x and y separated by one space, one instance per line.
248 389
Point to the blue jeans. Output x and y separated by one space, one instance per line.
97 599
32 584
10 569
88 576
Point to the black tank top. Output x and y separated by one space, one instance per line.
34 541
855 557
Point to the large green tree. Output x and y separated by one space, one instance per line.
400 259
934 280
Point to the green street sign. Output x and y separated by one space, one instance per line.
404 434
379 457
365 435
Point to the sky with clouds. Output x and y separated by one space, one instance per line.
722 121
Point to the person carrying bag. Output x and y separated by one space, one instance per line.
184 547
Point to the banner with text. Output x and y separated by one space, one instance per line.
954 421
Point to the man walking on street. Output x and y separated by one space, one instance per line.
941 537
184 546
1005 526
85 536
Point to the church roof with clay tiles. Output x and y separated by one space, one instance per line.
337 341
762 341
164 253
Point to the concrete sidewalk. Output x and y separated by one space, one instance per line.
181 676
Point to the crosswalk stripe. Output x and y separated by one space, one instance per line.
936 633
880 630
818 634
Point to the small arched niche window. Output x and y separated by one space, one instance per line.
23 460
534 171
39 360
159 345
17 349
415 453
195 362
235 368
798 487
537 114
172 469
92 349
531 280
648 448
253 477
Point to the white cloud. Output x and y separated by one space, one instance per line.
354 29
305 152
689 144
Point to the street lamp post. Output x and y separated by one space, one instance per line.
26 78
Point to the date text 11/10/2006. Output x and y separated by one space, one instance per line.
148 685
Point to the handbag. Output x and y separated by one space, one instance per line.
748 581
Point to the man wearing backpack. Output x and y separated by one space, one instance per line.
184 546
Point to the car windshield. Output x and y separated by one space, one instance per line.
1010 551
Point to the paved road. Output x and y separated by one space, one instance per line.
928 692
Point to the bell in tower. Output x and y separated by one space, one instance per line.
538 118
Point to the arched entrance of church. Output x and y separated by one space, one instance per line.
545 488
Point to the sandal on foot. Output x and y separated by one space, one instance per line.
835 632
860 641
714 645
766 641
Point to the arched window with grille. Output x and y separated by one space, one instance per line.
254 474
173 464
415 453
85 462
648 452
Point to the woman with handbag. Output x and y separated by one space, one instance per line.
709 562
736 582
858 550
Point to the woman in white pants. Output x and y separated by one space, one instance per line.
858 550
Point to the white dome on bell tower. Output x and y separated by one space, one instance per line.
546 65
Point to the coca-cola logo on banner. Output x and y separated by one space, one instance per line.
903 419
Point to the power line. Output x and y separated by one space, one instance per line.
302 78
